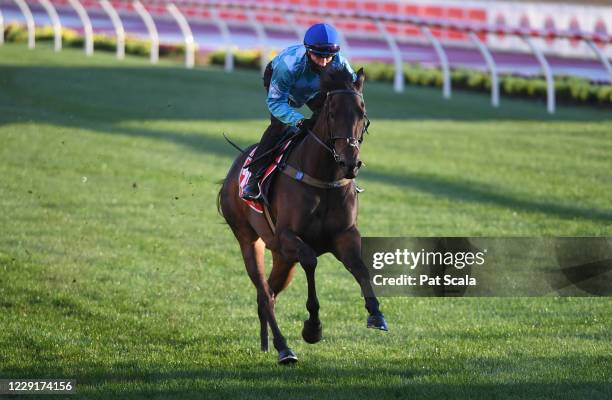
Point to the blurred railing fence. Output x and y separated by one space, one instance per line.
262 16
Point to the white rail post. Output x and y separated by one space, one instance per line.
550 82
186 31
118 25
227 39
87 28
261 38
1 29
446 82
602 58
486 54
148 21
57 25
27 14
398 81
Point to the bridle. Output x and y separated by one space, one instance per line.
329 144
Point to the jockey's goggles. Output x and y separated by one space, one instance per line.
324 50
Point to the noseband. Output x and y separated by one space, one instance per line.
351 141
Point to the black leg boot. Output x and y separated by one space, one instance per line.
257 168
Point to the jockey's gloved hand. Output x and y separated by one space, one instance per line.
294 130
307 123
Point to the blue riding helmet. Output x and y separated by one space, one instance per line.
322 39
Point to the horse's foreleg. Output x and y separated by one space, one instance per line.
347 249
293 248
312 330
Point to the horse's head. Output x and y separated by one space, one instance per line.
344 118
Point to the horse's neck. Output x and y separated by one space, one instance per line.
314 159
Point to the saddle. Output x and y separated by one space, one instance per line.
265 182
279 163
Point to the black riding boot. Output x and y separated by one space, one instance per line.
270 138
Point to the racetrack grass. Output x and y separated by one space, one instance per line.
116 270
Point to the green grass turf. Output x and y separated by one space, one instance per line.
116 270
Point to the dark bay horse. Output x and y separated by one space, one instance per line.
313 215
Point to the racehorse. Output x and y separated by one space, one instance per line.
312 210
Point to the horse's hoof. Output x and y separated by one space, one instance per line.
311 332
378 322
287 356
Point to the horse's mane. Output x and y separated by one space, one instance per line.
334 78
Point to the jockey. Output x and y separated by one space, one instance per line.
291 80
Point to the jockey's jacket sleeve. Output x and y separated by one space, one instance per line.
278 96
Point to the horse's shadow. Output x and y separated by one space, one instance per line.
400 379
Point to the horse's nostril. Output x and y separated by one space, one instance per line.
359 164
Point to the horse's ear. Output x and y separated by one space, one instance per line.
360 79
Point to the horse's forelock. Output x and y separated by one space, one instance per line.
336 79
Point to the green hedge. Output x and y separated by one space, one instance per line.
568 89
242 59
70 38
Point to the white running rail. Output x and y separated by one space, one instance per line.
187 35
55 21
491 66
118 25
446 82
1 29
153 35
550 81
86 22
27 14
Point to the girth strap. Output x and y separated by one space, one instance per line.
268 218
309 180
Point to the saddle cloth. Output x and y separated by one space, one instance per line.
264 182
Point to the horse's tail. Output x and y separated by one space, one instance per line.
233 144
222 181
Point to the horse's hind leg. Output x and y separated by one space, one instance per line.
253 254
280 276
293 247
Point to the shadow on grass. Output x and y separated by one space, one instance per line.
472 193
437 186
454 190
419 378
137 93
99 99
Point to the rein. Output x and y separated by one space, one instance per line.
353 142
